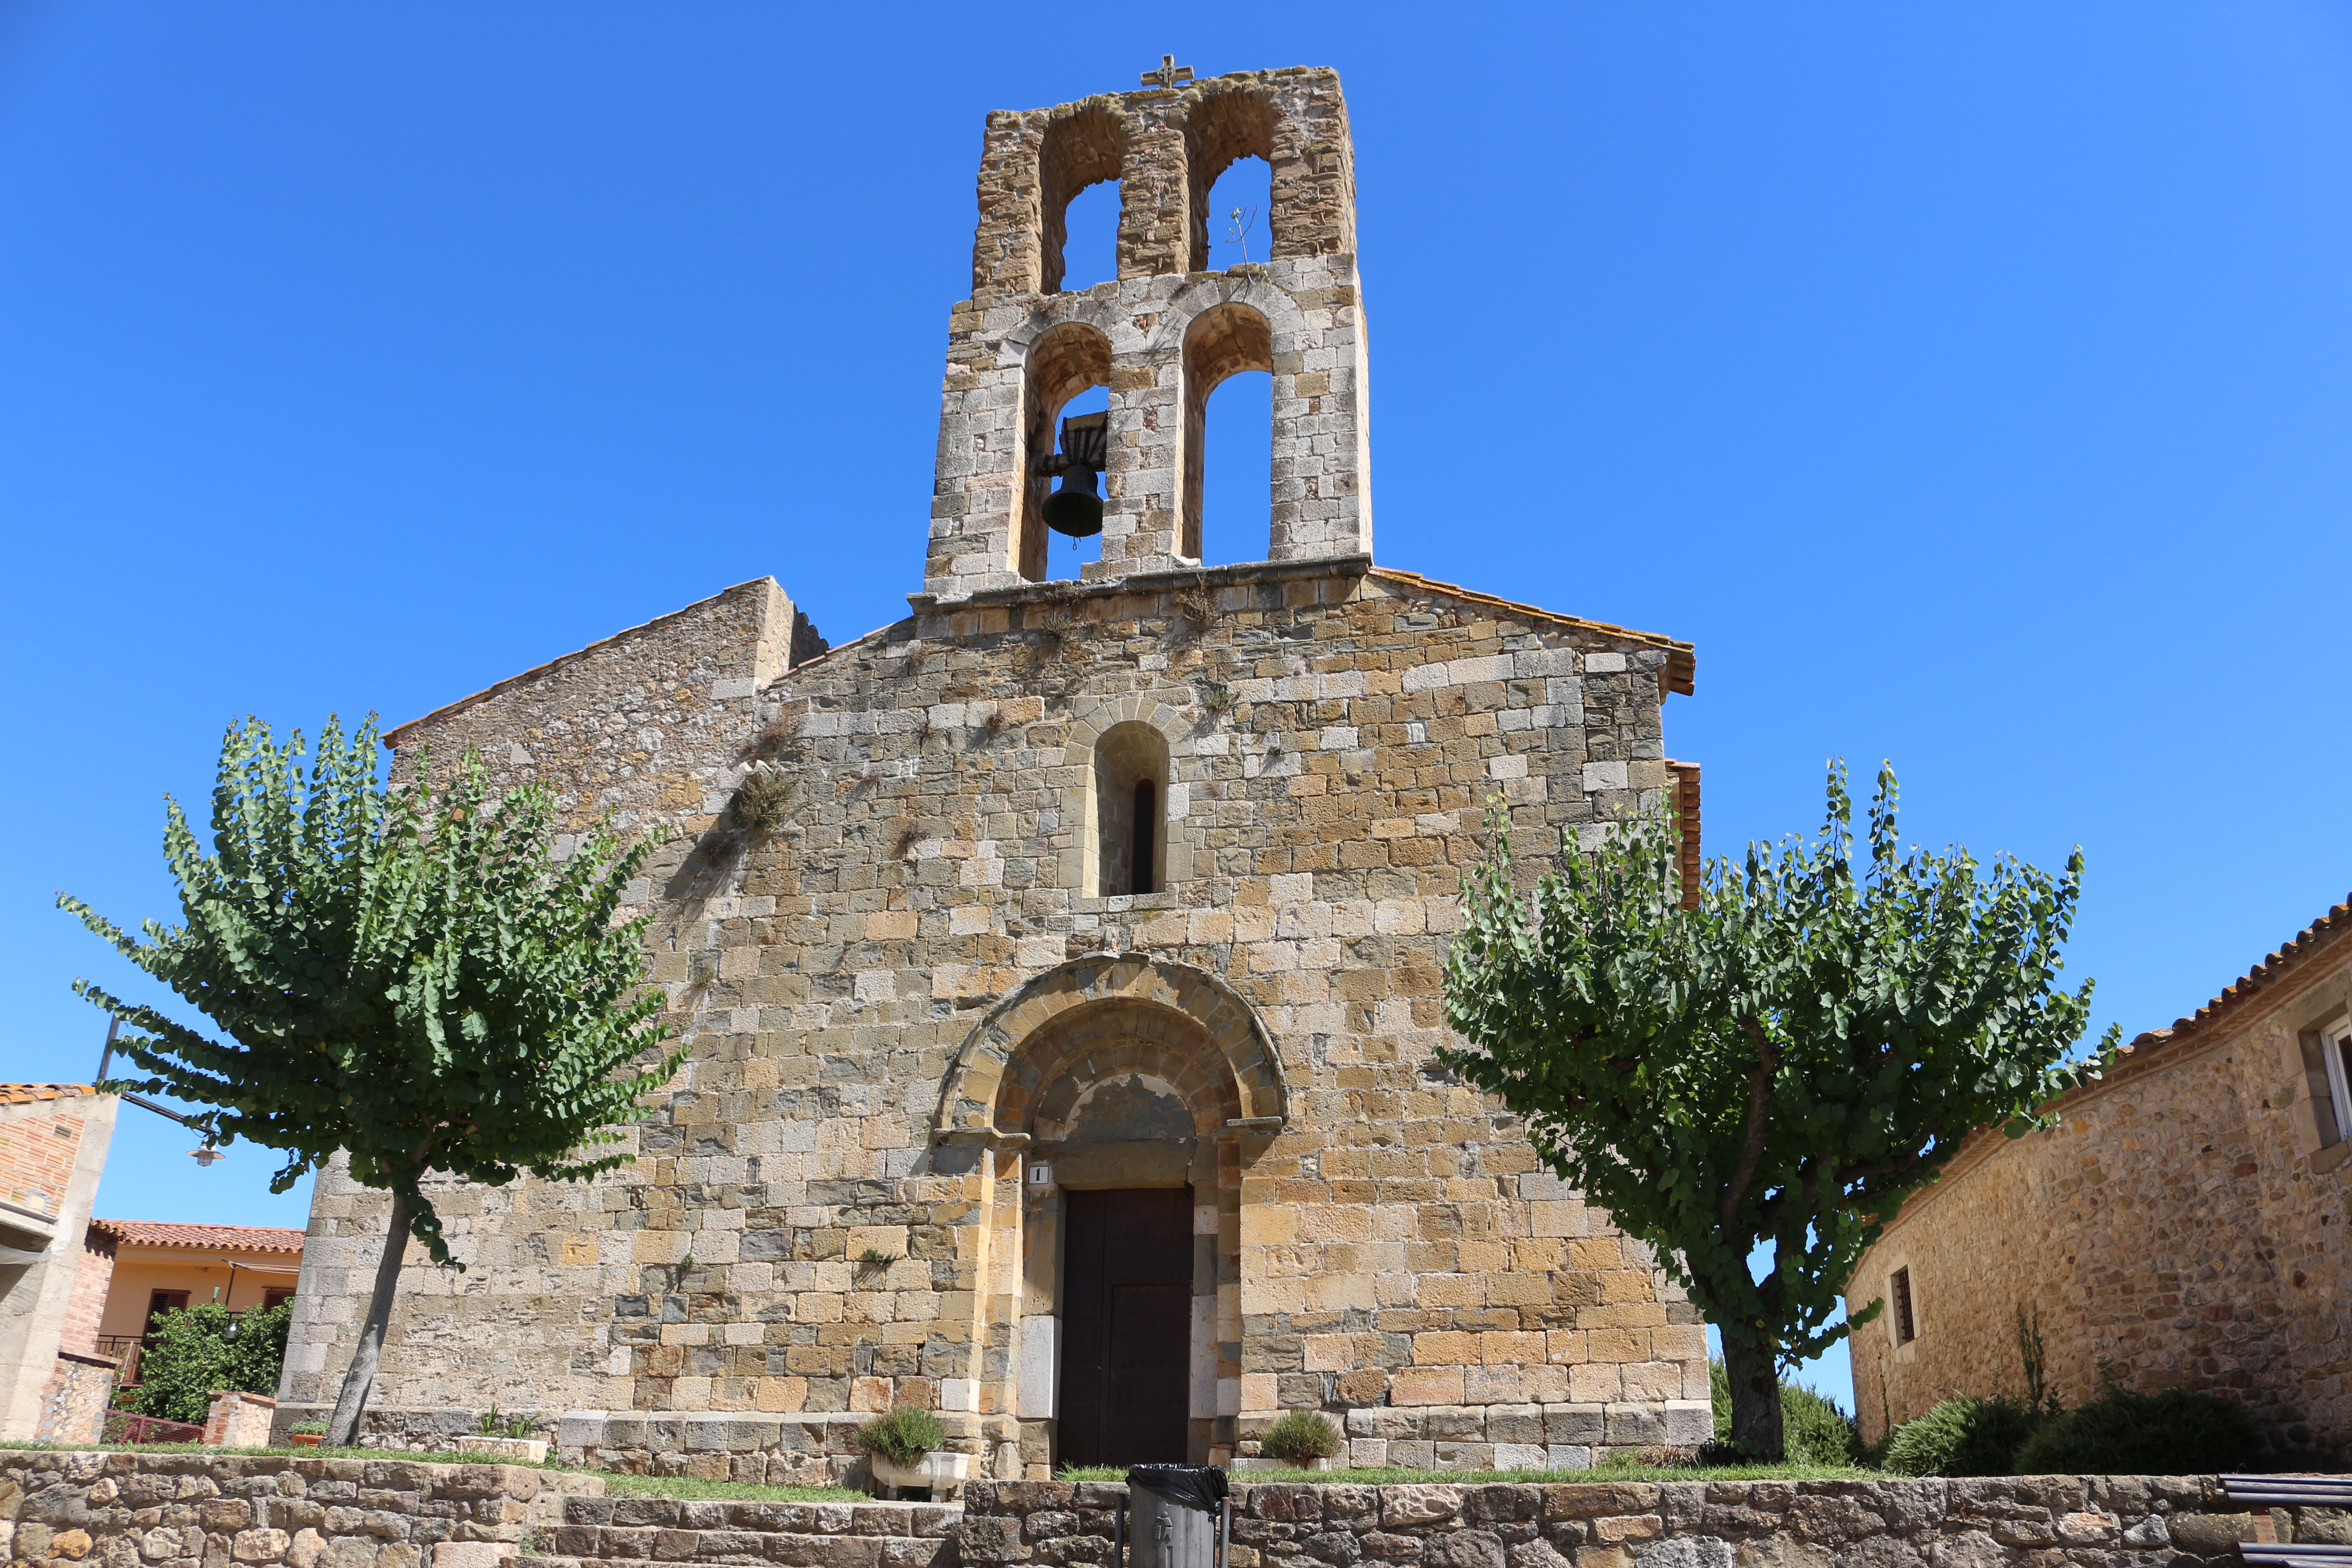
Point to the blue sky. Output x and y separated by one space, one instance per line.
1971 384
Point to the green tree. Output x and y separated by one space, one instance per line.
410 978
189 1356
1779 1065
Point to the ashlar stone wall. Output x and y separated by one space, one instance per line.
903 998
2183 1225
2087 1522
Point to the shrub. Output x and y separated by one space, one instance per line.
1299 1437
189 1357
1813 1430
904 1435
2175 1432
1962 1437
309 1429
764 800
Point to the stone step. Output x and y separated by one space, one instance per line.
643 1514
750 1550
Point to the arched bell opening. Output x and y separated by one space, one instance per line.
1222 129
1065 362
1222 341
1132 774
1079 151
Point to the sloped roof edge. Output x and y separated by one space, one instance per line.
1682 658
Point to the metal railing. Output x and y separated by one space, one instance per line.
123 1426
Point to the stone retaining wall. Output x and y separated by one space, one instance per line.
203 1510
2095 1522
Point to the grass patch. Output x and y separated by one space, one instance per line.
615 1483
1604 1476
402 1456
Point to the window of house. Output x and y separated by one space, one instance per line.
1898 1289
2336 1056
276 1296
161 1301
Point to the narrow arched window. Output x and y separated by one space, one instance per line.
1146 835
1127 815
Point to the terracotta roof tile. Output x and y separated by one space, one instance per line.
1682 658
230 1238
26 1093
2336 922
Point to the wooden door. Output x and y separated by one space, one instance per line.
1127 1326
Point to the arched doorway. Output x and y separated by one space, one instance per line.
1118 1099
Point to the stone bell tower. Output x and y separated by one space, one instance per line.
1162 336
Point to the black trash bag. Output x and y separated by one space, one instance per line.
1195 1486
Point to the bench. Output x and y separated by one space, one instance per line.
2291 1491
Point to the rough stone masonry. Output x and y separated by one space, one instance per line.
1063 1044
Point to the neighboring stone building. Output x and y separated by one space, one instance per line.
53 1144
2184 1224
1062 1059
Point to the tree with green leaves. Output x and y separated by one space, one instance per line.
410 978
1780 1064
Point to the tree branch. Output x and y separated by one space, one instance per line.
1759 1102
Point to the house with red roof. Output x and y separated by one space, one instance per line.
141 1269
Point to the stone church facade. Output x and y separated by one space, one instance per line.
1062 1059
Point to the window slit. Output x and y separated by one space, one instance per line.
1147 819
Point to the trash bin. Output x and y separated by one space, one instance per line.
1177 1517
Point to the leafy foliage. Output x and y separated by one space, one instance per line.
189 1357
412 979
1814 1431
2179 1432
1298 1435
1782 1064
904 1435
1963 1438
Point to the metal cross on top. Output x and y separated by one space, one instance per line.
1169 74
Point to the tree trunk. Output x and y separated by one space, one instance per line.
343 1429
1754 1375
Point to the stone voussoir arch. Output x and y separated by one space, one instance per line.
1201 295
968 1100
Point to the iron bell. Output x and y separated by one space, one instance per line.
1076 507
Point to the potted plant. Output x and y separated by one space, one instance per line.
307 1434
1300 1439
507 1435
901 1451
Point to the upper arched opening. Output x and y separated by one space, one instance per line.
1222 128
1080 149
